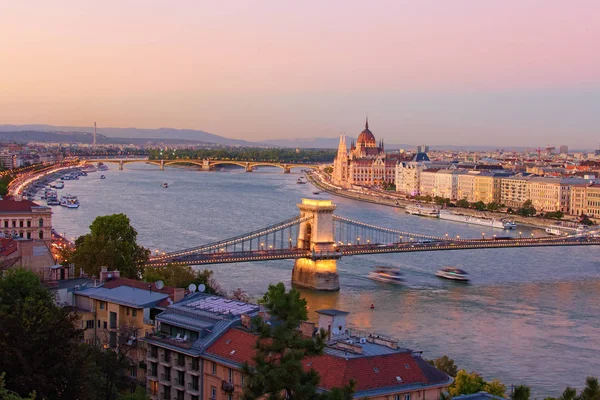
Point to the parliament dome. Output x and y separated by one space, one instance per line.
366 137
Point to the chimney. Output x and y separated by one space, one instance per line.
246 321
178 294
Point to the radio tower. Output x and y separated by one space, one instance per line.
94 142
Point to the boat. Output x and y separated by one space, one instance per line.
453 274
102 167
69 201
483 221
422 210
165 185
386 275
300 181
102 177
555 231
316 192
87 168
52 201
59 185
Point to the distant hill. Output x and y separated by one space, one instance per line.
164 134
324 143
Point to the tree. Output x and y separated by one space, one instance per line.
479 206
463 203
239 295
6 394
37 340
278 372
466 383
591 390
521 392
112 242
493 206
585 220
181 276
495 387
445 364
527 210
140 394
555 215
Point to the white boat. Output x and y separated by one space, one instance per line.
165 185
386 275
483 221
52 201
59 185
300 181
555 231
102 167
69 201
422 210
453 274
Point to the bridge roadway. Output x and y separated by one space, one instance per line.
204 164
223 257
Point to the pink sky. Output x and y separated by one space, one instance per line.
272 69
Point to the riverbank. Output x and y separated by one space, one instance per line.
394 200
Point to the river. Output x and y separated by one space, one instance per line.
528 316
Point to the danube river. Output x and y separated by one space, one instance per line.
529 315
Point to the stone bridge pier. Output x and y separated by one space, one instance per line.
121 164
318 272
162 165
248 167
206 165
287 169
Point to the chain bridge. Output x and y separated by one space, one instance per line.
204 164
317 238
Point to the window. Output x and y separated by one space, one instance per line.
133 372
214 368
102 305
41 235
180 395
98 324
396 397
41 221
28 235
230 375
195 398
242 379
229 397
407 396
180 360
153 369
134 313
6 223
105 325
89 324
213 392
127 310
29 223
180 378
21 224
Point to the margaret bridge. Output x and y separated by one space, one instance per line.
204 164
317 238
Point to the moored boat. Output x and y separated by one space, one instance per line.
69 201
482 221
59 185
386 275
300 181
102 167
422 210
453 274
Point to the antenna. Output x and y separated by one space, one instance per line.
159 284
192 287
94 143
201 287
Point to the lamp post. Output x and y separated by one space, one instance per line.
357 240
520 235
482 235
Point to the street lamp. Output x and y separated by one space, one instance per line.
482 235
357 240
520 235
532 236
262 246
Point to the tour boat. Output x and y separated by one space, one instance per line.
52 201
87 168
69 201
424 211
102 167
453 274
483 221
555 231
59 185
386 275
165 185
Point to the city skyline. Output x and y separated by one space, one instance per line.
521 74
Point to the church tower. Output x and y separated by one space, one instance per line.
340 164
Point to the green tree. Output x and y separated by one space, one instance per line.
591 390
181 276
555 215
527 210
278 371
462 203
37 340
112 242
445 364
328 170
6 394
585 220
466 383
493 206
495 387
479 206
521 392
140 394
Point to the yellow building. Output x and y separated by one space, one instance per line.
514 190
585 199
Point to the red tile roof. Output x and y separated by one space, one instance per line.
369 372
9 204
7 246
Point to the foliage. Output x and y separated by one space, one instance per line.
388 186
140 394
554 215
495 387
441 200
4 182
239 295
585 220
112 242
446 365
479 206
493 206
462 203
466 383
521 392
247 154
328 169
181 276
527 210
6 394
278 372
36 340
591 390
426 198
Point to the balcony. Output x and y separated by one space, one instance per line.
149 322
152 356
193 370
152 376
227 386
179 383
194 390
162 337
165 360
165 379
179 366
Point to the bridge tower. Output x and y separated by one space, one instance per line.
318 272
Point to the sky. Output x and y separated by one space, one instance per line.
480 72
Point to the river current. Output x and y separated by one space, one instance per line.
528 316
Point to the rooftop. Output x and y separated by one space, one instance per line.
478 396
10 204
125 295
332 312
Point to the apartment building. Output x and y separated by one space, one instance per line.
466 186
200 345
514 190
552 194
116 312
585 199
25 219
446 183
427 182
408 177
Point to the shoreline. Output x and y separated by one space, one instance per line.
391 200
